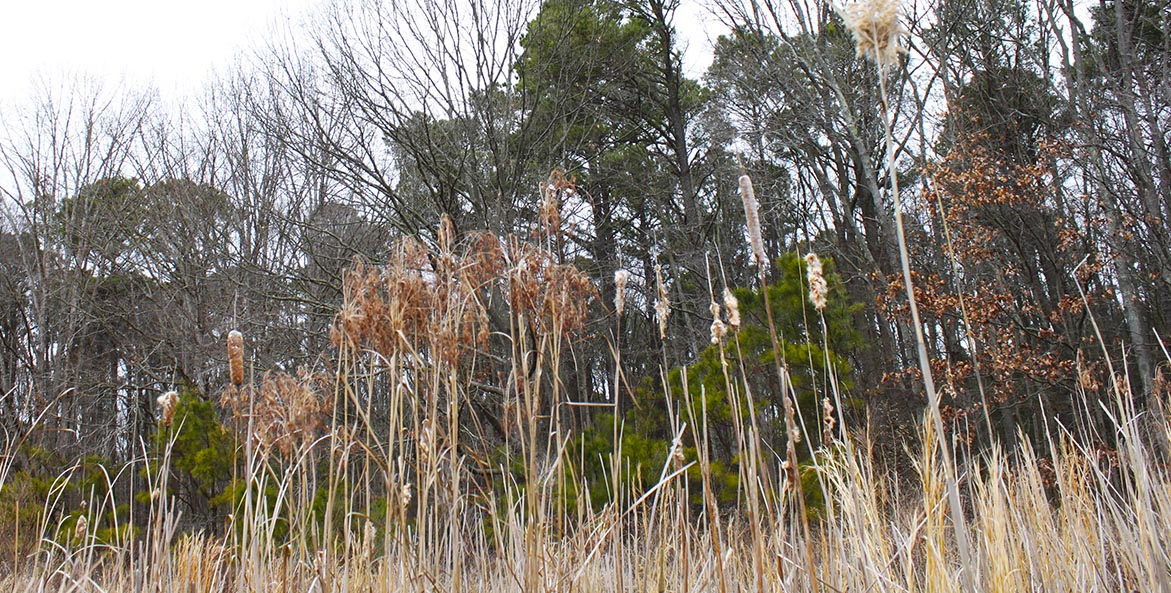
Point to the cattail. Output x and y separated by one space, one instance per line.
817 286
719 330
406 494
167 403
827 409
733 307
718 327
550 210
621 277
81 528
752 218
877 30
662 305
236 356
676 455
426 442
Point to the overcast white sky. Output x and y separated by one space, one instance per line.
175 44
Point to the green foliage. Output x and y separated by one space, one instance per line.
47 482
715 390
103 219
202 456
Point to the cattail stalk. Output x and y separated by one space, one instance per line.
878 34
790 464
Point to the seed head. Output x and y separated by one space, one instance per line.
167 403
719 330
81 528
662 305
877 30
236 357
733 307
621 277
426 442
818 289
406 494
676 455
445 237
752 218
828 420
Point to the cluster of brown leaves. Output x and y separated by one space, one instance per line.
1019 260
287 411
438 300
553 296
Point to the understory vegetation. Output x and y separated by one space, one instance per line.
466 295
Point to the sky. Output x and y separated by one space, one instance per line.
174 44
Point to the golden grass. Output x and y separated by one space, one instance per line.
416 501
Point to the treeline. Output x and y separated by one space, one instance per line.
1032 155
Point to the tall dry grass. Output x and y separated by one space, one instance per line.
417 499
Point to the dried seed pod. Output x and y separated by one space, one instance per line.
621 277
818 289
662 304
828 420
236 356
719 329
81 528
167 403
733 307
752 219
877 30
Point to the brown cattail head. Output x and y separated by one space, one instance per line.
818 289
877 30
446 234
621 277
236 356
81 527
828 420
676 454
167 403
550 209
752 218
733 307
662 304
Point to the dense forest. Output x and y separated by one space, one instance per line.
539 195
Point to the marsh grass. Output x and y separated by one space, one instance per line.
401 488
